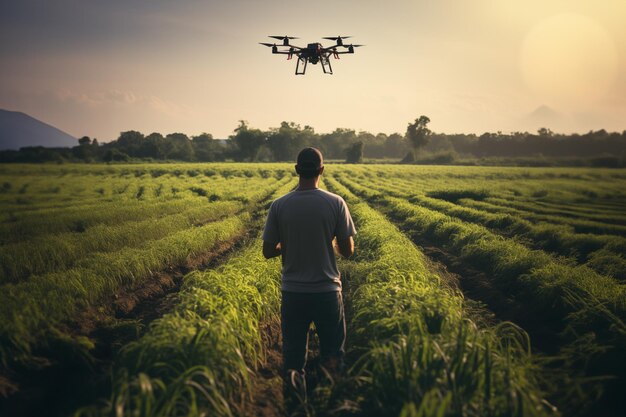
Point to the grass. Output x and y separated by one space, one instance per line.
35 310
197 359
59 251
420 352
72 236
556 238
572 301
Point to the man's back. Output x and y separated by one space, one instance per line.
305 223
300 228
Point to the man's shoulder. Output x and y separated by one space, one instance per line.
284 197
331 196
318 191
333 199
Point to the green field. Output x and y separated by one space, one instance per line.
140 290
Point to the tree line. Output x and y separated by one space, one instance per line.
418 144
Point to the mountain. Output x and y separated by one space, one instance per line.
544 116
18 129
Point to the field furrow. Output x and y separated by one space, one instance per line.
53 253
564 300
411 332
78 219
578 224
33 310
602 253
212 338
141 290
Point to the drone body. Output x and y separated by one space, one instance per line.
313 53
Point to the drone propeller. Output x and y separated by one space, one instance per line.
333 38
267 44
352 46
338 39
283 37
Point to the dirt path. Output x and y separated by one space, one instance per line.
480 290
266 399
324 397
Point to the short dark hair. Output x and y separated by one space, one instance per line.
310 162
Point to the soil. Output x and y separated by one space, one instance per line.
69 376
59 388
266 397
479 289
75 371
486 303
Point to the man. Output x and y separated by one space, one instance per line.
301 227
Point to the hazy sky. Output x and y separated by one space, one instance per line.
98 67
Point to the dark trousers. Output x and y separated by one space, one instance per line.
298 310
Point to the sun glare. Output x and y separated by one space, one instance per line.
569 60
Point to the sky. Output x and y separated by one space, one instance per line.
100 67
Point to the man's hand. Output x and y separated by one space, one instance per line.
345 247
271 250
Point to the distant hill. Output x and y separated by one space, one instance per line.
18 129
544 116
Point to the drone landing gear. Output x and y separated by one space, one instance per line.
302 61
326 65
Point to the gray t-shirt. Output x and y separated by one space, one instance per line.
305 223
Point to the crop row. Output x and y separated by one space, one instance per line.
594 208
419 353
600 252
505 259
102 230
587 310
423 353
77 214
600 197
558 201
53 253
226 170
602 211
582 224
133 192
32 311
196 360
79 220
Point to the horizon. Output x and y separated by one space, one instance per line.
228 137
97 69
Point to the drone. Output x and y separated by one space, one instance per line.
313 53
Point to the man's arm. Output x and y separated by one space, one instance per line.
271 233
344 231
346 247
271 250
